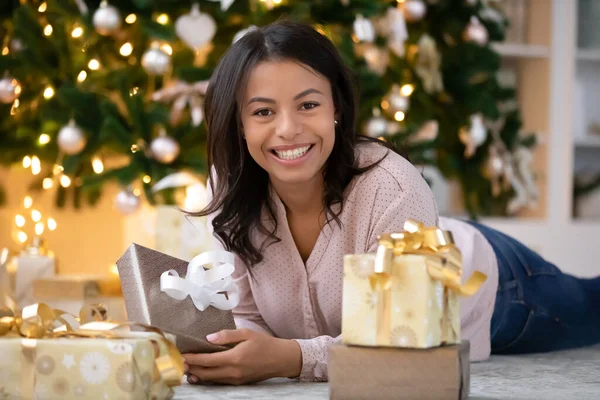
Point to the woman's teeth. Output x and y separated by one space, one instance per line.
292 154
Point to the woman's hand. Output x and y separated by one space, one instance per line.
256 357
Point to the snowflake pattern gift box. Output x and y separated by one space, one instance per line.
82 368
406 294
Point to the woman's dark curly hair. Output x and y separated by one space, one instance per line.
240 187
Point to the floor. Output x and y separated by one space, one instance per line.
572 374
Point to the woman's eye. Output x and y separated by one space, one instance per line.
309 106
263 112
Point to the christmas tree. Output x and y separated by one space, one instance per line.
92 92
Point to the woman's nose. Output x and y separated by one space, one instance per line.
288 126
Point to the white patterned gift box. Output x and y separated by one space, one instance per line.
82 368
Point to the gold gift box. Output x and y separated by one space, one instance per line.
406 294
82 368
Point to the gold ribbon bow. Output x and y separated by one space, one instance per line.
443 260
39 321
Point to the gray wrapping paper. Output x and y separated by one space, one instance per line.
139 270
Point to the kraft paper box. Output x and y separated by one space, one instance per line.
417 306
82 368
140 270
382 373
76 287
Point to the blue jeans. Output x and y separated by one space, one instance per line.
539 308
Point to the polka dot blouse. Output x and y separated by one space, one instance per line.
303 301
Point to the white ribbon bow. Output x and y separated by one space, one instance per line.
213 287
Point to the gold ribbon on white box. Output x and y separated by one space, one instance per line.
444 264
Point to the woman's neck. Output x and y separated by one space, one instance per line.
301 199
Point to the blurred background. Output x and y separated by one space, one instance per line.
102 134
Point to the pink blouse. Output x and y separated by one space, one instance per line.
290 299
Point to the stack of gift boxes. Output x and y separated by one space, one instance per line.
401 320
400 327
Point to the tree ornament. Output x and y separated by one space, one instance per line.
473 136
182 94
10 89
396 31
428 132
225 4
364 29
164 148
196 29
494 169
107 19
156 61
377 58
127 202
475 32
414 10
428 65
71 139
394 101
377 125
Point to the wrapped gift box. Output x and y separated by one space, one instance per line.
71 292
370 373
414 306
81 368
140 271
23 269
411 298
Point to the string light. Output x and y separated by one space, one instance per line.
48 92
48 30
97 165
137 192
22 236
126 49
17 87
47 183
42 7
81 77
147 179
134 148
94 64
65 181
77 32
57 169
44 139
13 109
39 228
407 90
36 216
399 116
162 19
133 92
277 1
131 18
5 51
20 220
51 224
27 202
36 165
26 162
167 48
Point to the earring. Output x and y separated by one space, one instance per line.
335 122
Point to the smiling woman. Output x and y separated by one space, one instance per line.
294 188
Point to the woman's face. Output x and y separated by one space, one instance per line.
288 121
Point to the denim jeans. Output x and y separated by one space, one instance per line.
539 308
